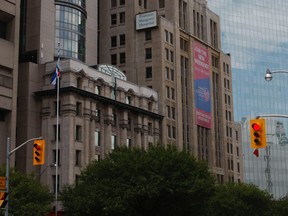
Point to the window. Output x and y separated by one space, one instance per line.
183 45
150 105
114 59
3 30
97 138
161 3
128 99
173 112
78 109
97 114
114 119
167 73
128 143
55 129
121 2
183 14
122 58
173 93
166 36
70 30
79 82
173 132
148 35
167 92
54 157
113 41
150 128
169 131
78 158
113 19
148 72
171 37
168 111
122 17
97 90
237 151
171 56
78 133
122 40
113 3
167 54
214 34
113 142
172 74
148 53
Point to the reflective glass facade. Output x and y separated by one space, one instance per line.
255 33
70 31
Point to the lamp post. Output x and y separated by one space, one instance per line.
268 76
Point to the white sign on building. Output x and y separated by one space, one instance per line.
146 20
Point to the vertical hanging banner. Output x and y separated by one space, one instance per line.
202 86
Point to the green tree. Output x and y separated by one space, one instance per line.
156 182
280 207
27 195
240 200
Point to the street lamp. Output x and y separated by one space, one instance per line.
268 76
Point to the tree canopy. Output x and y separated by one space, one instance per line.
159 181
240 199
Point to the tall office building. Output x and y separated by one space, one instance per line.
174 47
9 43
255 33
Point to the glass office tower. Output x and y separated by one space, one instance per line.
255 33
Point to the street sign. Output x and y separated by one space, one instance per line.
2 183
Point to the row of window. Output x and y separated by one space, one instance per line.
184 45
228 115
230 149
170 93
78 157
114 3
226 68
169 73
170 112
114 40
169 37
227 99
169 55
198 24
230 163
121 18
143 3
227 83
171 131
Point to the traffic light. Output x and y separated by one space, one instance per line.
3 201
258 133
38 152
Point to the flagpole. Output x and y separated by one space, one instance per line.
57 134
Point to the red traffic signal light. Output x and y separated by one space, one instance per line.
257 133
3 201
39 152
